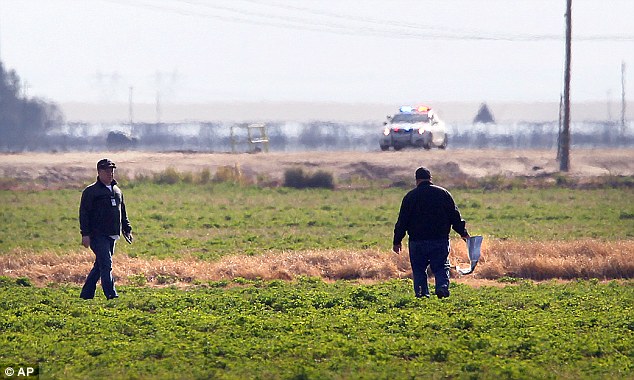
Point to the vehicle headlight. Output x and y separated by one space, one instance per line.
386 131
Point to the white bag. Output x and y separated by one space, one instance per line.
474 243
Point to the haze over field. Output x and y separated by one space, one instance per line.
352 52
452 112
328 72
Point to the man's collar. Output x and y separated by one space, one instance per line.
114 182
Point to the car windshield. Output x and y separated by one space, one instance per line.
410 118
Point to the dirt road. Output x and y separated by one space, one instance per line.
55 169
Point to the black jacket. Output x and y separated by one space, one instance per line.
428 212
97 213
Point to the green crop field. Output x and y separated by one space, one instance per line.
209 221
308 328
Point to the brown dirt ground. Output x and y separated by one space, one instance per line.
60 169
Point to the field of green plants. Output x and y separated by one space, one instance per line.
209 221
308 328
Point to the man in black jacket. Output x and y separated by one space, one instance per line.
427 214
102 218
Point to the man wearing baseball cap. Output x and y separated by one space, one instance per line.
102 219
427 215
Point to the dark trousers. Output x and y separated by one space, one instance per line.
433 253
103 247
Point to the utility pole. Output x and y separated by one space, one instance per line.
564 162
623 98
158 107
130 110
560 125
0 46
25 91
608 96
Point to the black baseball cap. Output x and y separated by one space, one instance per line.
423 173
105 164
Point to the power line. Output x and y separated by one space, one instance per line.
348 18
398 24
231 19
455 33
390 29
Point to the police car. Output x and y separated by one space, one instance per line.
418 127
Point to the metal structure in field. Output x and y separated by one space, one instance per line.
256 137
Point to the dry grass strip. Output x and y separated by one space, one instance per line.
530 260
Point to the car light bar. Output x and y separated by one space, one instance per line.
414 109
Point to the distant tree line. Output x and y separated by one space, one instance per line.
23 121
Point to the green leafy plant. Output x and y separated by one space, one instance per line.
282 329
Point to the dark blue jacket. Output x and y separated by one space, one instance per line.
428 212
102 212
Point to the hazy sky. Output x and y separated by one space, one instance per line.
387 51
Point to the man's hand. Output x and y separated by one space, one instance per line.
397 248
128 237
85 241
465 236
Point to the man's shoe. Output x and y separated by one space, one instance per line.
442 293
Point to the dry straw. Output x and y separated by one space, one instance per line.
529 260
